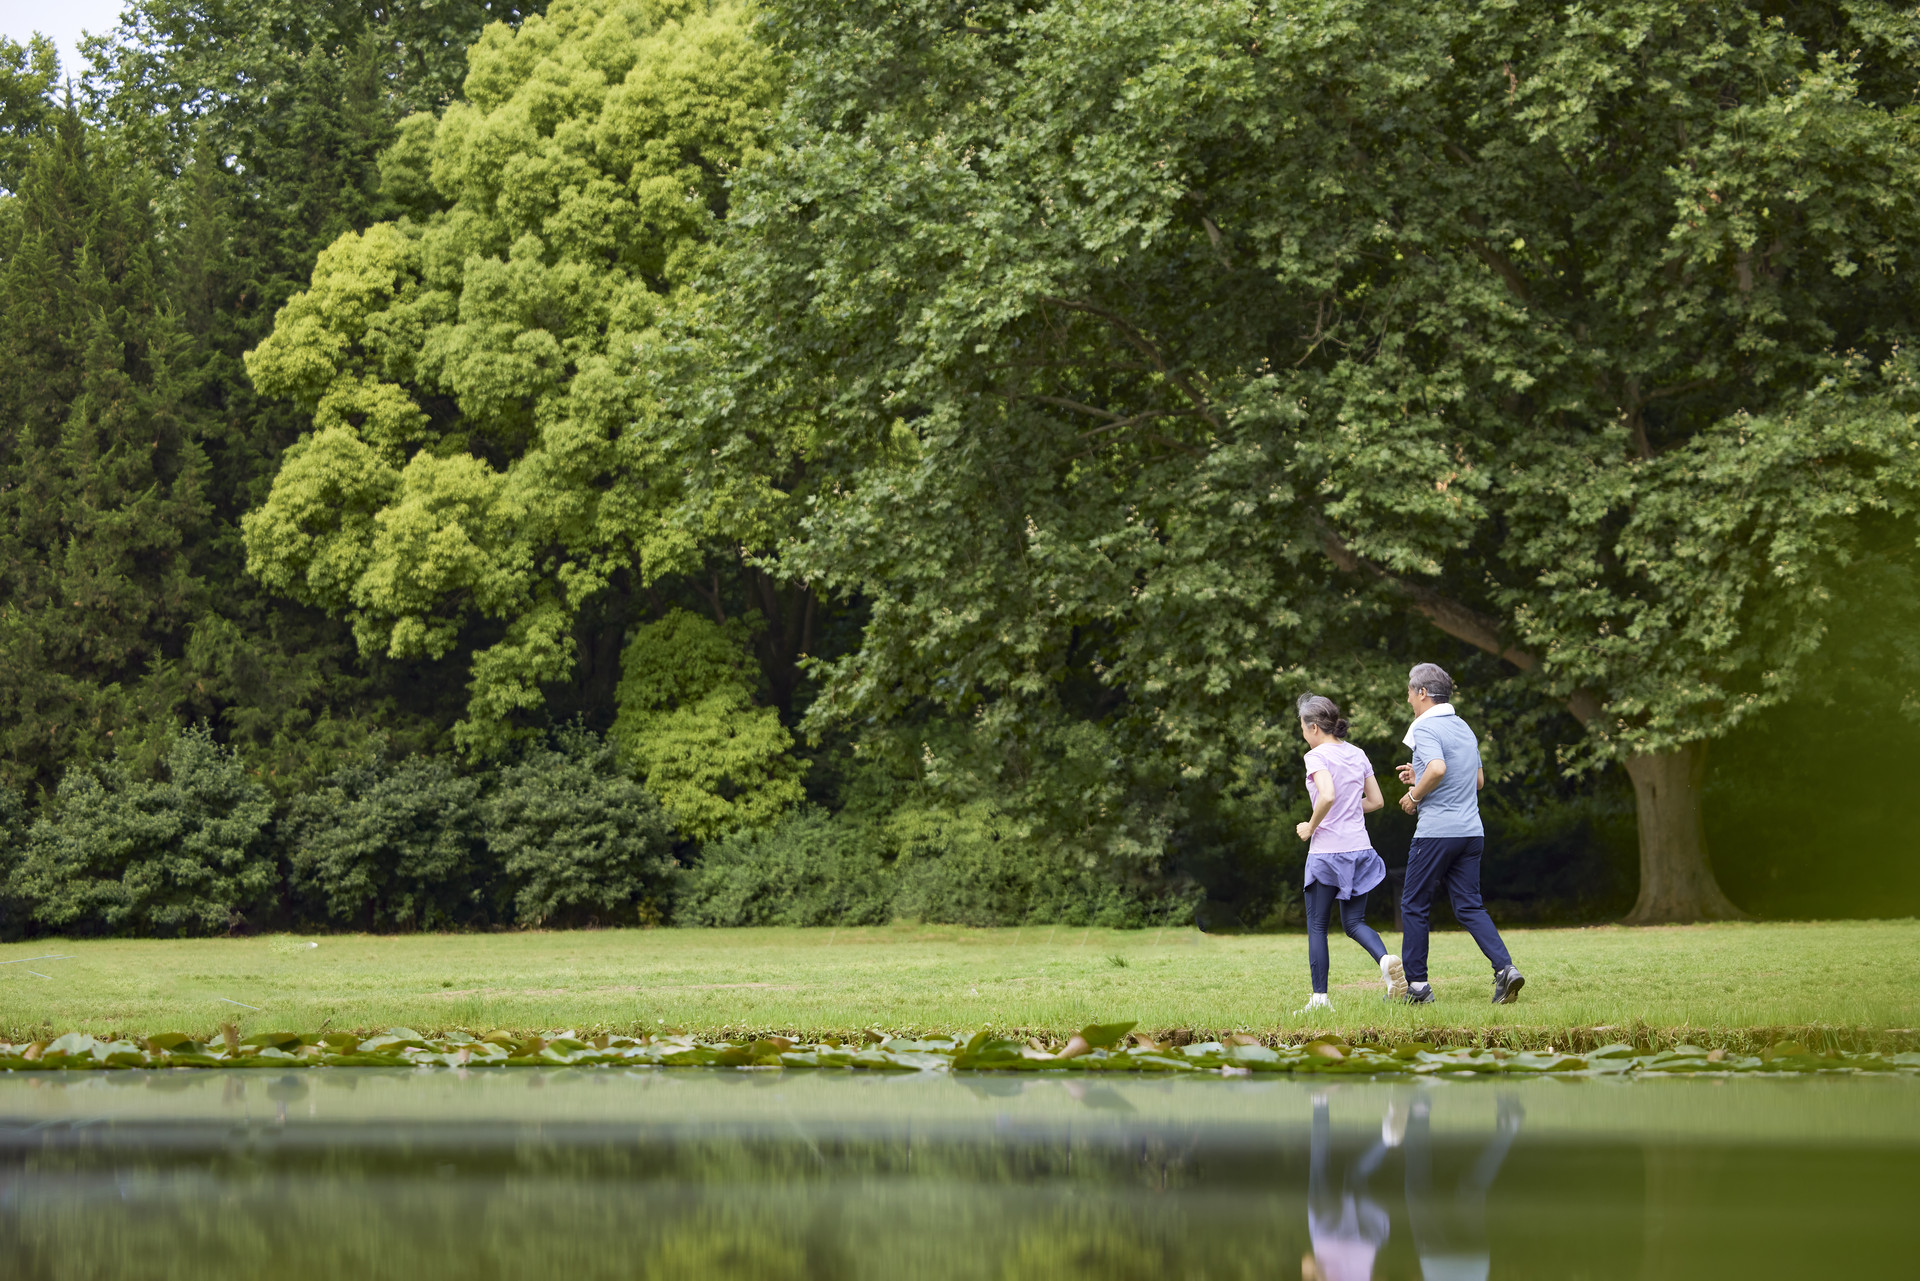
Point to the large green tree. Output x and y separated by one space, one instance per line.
230 141
482 375
102 477
1180 348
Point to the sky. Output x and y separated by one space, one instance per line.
63 20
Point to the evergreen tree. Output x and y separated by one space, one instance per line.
243 139
102 477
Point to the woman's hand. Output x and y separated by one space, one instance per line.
1304 831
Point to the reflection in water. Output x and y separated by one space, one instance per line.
1348 1225
1450 1229
593 1173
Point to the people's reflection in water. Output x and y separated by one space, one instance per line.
1450 1225
1347 1225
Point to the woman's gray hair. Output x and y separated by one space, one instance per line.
1429 677
1321 711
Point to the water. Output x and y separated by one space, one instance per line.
358 1173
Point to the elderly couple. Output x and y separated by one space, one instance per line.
1445 778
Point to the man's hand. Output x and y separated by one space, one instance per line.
1303 830
1408 804
1405 772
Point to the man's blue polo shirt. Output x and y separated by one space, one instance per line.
1453 807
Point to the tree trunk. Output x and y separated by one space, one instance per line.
1676 880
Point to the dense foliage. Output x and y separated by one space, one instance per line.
477 374
1170 350
577 839
186 853
807 871
391 848
468 464
104 478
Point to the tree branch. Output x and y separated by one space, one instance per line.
1516 283
1458 621
1135 421
1140 343
1678 389
1077 407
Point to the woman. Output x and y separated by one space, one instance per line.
1341 864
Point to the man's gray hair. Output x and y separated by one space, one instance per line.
1431 678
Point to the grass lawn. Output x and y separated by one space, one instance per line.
1714 984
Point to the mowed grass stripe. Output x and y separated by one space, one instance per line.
1717 980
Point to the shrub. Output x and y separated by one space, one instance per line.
576 838
187 853
973 865
810 870
689 725
391 847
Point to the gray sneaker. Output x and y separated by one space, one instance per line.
1418 994
1506 985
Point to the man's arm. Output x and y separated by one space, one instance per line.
1429 779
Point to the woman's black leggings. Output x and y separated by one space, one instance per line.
1353 918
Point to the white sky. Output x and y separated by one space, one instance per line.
63 20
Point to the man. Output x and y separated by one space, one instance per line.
1446 778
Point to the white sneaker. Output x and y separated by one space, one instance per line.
1318 1001
1393 976
1393 1126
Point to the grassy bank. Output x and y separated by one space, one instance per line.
1733 984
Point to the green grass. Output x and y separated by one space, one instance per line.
1715 984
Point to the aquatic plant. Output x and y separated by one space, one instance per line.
1112 1047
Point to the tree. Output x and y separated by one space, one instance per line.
486 443
1157 338
28 73
102 477
258 127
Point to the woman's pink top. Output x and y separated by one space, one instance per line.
1345 827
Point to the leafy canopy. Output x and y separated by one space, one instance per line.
1178 348
485 441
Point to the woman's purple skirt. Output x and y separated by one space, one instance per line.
1353 871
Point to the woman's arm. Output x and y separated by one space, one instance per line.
1371 800
1323 788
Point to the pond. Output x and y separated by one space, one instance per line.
587 1173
